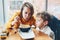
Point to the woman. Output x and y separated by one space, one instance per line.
25 16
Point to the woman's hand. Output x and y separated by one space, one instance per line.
16 19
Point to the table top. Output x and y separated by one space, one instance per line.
38 36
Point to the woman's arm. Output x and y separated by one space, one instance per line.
9 23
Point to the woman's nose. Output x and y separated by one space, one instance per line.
26 15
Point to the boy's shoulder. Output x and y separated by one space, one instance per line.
48 30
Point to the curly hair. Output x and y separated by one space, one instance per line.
45 16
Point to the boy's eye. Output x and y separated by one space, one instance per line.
38 20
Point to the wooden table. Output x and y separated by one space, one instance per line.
38 36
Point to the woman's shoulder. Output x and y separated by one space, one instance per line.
33 18
17 13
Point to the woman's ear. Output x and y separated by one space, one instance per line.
45 22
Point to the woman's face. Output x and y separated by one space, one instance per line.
26 13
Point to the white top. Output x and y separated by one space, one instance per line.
47 30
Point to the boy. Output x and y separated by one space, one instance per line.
42 20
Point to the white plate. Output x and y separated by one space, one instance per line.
27 35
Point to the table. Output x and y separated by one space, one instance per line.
38 36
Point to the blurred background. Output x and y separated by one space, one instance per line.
9 7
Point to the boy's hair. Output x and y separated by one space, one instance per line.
29 5
45 16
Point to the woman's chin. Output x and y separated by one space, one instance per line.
26 19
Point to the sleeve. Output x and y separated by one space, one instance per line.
52 35
8 24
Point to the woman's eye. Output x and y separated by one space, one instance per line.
25 12
29 13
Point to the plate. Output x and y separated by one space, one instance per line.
27 35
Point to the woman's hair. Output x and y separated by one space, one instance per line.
29 5
45 16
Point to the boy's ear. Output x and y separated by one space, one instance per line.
46 22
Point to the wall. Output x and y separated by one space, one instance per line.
1 14
54 8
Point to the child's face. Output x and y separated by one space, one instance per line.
26 13
40 22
